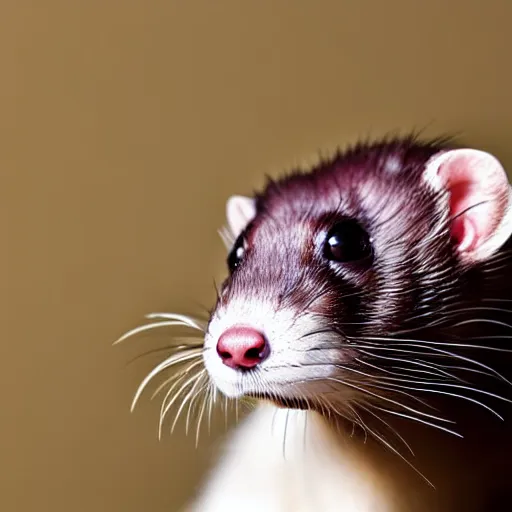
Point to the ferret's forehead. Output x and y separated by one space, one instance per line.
352 192
357 170
367 183
307 193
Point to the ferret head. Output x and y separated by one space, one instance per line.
328 269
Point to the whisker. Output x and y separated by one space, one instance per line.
359 421
187 320
389 426
421 343
459 386
386 399
192 401
416 362
472 370
440 351
419 420
184 371
201 412
147 327
396 452
197 381
463 397
171 361
285 432
422 402
179 380
422 372
483 320
168 406
212 399
173 348
395 374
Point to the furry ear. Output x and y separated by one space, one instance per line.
240 211
480 200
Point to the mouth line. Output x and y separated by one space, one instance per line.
284 402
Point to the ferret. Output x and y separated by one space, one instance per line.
367 311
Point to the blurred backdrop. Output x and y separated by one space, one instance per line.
124 127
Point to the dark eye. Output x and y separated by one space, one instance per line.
347 241
236 255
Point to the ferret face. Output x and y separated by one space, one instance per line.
376 243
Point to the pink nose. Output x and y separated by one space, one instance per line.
242 348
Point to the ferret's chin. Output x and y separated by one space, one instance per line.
229 389
292 394
236 385
280 395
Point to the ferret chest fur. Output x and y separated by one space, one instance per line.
282 460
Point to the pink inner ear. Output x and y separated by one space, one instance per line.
478 190
464 233
463 228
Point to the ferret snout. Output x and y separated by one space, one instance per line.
242 348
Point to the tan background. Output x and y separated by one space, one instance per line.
124 127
